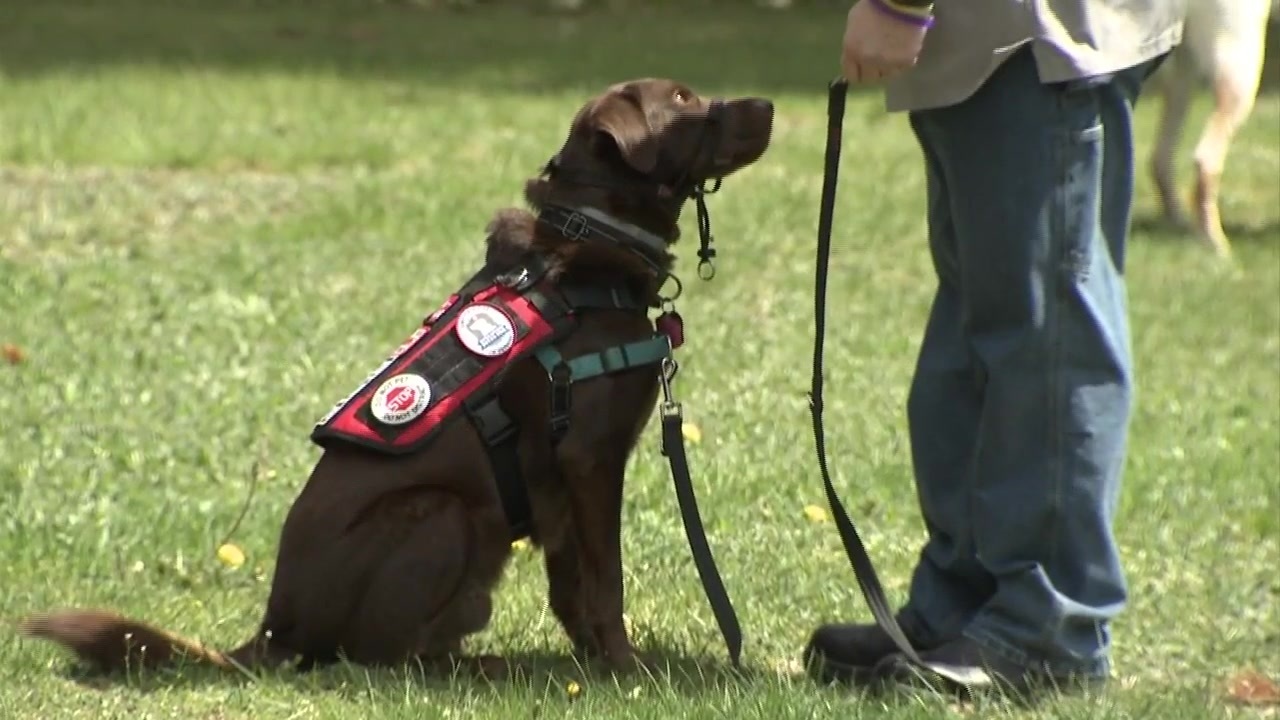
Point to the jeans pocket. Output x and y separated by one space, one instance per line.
1078 201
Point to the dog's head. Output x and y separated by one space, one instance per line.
662 131
647 143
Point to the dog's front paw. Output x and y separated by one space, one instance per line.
487 667
584 642
630 660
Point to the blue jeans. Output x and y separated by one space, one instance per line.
1021 399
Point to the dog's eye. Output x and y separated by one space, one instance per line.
681 96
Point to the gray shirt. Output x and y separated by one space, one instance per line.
1070 39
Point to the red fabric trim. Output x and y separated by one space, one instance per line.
347 424
538 329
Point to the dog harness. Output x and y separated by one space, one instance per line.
451 367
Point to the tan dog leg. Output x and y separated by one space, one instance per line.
1233 91
1176 83
1236 61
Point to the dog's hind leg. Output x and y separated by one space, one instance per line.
431 586
440 638
1176 83
1237 72
423 560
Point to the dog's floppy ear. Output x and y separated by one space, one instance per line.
619 116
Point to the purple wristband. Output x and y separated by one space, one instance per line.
925 21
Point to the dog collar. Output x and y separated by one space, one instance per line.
585 224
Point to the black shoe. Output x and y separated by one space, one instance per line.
962 666
849 653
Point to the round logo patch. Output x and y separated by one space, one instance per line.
485 330
401 399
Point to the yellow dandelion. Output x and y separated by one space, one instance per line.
788 667
815 513
691 432
573 689
230 555
520 545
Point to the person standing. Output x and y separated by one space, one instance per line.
1019 407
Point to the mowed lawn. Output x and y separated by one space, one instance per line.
214 222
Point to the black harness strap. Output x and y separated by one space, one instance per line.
863 568
602 297
502 437
501 434
561 396
579 227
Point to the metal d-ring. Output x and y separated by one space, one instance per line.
668 299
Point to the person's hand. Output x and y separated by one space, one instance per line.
880 42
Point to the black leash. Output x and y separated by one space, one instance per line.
863 568
673 448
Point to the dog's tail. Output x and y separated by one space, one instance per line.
112 642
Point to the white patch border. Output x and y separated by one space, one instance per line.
391 359
377 404
499 316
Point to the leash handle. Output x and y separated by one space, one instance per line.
863 569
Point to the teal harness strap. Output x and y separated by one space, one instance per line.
609 360
563 373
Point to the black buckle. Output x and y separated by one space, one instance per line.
560 388
492 422
574 226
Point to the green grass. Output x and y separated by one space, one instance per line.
214 222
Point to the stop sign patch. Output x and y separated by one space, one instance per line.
400 399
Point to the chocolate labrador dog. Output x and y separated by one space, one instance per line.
387 558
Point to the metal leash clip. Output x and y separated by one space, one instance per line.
669 368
